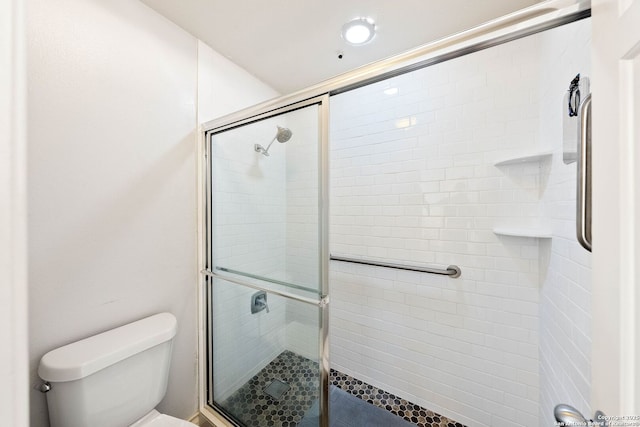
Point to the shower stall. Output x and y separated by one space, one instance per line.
414 249
267 266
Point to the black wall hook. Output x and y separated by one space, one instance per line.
574 96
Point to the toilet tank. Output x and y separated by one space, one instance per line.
111 379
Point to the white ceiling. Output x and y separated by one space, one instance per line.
292 44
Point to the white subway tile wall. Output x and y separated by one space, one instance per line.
565 314
249 196
302 239
413 181
302 198
244 343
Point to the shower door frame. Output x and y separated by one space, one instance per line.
208 270
540 17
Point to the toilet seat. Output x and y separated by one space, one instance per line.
156 419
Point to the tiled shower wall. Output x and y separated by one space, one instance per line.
565 296
249 196
413 180
249 228
301 165
302 249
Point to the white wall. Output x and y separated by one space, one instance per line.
224 87
14 401
414 180
111 180
112 172
565 303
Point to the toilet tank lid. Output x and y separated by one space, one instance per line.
85 357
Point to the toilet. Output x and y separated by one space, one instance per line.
113 379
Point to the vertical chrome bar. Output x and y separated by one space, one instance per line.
323 182
583 205
208 294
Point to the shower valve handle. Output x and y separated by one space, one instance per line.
259 302
262 304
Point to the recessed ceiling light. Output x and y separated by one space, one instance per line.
359 31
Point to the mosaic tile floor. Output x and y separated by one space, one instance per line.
252 406
413 413
346 410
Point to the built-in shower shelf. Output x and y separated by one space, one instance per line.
529 158
538 233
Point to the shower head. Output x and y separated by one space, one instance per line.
283 135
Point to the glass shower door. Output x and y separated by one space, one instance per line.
267 268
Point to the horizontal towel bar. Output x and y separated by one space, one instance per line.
452 271
323 301
268 279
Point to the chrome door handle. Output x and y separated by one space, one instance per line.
583 211
567 415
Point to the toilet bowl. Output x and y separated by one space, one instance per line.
113 379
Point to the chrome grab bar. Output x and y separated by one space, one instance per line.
452 271
323 301
583 205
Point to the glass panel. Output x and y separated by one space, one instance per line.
264 353
265 365
265 194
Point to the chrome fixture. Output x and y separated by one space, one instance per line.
259 302
266 279
359 31
583 216
567 415
321 302
45 387
283 135
452 271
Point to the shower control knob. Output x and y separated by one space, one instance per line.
259 302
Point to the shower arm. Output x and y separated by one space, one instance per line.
272 141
